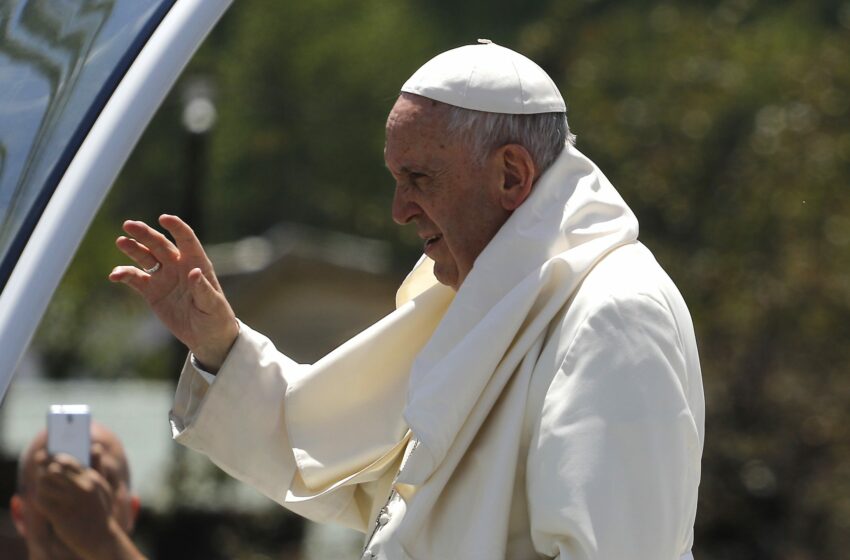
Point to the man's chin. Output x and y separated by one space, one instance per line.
446 275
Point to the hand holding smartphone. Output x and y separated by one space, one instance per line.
69 431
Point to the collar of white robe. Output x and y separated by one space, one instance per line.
487 77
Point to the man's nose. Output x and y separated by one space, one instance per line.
404 209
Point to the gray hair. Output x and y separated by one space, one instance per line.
544 135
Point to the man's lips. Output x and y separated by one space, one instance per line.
430 240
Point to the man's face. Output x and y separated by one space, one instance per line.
452 199
110 463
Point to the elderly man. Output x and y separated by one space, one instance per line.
537 391
66 511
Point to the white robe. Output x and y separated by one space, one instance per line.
556 400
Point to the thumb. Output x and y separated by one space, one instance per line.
206 298
95 456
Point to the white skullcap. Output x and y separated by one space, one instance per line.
487 77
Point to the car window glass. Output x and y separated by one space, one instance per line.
59 62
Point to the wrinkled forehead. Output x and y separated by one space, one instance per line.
417 111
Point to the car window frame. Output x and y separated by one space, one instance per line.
34 213
92 171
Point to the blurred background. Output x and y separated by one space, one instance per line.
725 125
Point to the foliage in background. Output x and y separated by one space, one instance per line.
723 124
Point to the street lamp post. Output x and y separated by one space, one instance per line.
198 118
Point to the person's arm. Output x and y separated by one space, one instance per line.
238 420
613 465
182 291
289 429
78 503
117 546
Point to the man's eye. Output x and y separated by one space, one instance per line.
415 176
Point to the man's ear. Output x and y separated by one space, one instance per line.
16 506
135 506
518 174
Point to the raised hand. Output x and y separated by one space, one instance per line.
178 282
78 503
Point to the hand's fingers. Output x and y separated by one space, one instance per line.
183 235
67 463
189 244
60 474
49 504
96 454
55 493
140 254
99 481
206 298
131 276
41 457
55 481
160 247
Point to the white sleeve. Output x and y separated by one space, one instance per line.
237 420
205 375
613 465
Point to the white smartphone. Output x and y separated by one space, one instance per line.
69 431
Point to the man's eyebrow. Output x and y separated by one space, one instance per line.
403 170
